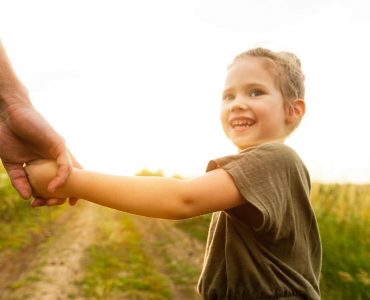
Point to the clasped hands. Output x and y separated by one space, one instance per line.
25 136
40 173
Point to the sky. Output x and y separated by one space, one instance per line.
137 84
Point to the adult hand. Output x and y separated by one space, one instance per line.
40 172
25 136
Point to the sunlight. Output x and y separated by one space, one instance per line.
130 88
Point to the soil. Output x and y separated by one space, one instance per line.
167 245
50 267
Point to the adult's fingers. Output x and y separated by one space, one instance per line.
55 201
64 168
73 201
60 178
19 179
76 164
37 202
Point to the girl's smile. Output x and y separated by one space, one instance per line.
252 110
241 123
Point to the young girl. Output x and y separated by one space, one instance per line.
263 239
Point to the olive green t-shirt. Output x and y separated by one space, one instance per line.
281 259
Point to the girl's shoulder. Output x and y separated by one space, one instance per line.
272 151
271 147
265 154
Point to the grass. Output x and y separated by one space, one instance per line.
119 267
196 227
20 224
343 213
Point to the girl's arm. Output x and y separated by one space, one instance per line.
158 197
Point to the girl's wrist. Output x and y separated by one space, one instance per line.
71 187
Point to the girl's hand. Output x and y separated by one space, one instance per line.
40 172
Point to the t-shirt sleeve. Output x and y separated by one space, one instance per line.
263 176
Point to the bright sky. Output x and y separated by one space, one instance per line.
134 84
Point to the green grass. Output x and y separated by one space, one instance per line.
20 224
343 213
196 227
119 266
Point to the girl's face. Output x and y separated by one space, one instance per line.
252 111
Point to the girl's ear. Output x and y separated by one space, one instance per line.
294 111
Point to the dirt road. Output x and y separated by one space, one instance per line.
52 266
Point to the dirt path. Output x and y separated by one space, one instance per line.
174 253
50 268
54 265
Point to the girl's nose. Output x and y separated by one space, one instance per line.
238 105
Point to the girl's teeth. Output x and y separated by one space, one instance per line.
242 124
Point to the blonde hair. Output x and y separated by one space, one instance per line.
286 68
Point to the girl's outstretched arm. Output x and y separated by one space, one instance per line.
158 197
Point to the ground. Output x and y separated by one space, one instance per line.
53 266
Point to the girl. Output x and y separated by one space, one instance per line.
263 239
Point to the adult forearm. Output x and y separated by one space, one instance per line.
11 88
147 196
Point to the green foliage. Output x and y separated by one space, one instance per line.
343 213
146 172
8 198
20 224
159 173
119 266
196 227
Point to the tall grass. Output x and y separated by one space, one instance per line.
343 214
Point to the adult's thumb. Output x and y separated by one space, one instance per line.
19 179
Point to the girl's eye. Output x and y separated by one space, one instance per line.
255 93
228 97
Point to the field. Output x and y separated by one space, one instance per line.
90 252
343 213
